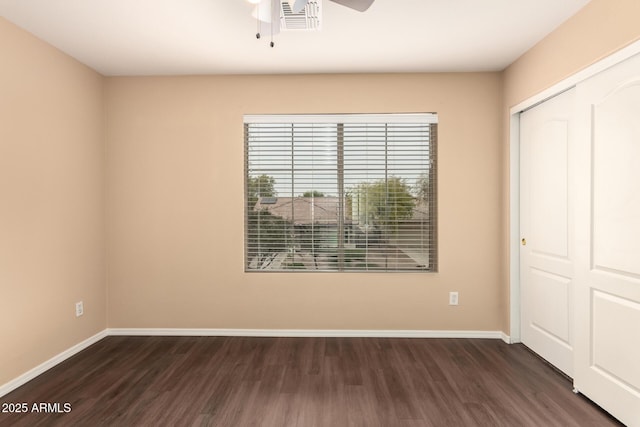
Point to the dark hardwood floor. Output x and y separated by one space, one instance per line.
236 381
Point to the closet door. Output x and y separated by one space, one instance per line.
546 225
607 309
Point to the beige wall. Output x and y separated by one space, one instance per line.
599 29
175 205
51 202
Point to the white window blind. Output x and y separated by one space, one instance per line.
341 192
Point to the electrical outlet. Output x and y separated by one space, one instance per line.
453 298
79 309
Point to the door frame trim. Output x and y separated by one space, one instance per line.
514 170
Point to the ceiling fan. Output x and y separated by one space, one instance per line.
271 15
359 5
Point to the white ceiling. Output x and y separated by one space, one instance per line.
165 37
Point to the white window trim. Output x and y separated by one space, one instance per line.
426 118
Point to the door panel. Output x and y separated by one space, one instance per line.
548 185
607 344
616 147
546 259
613 357
550 296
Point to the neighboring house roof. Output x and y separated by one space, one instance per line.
320 210
304 210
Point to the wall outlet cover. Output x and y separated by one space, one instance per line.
79 309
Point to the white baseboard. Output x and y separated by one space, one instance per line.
353 333
347 333
55 360
506 338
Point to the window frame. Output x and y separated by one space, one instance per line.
340 120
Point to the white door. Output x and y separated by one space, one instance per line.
546 253
607 315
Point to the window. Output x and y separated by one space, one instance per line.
340 192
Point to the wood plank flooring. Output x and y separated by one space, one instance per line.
240 381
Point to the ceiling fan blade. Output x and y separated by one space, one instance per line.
267 11
359 5
262 11
298 6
